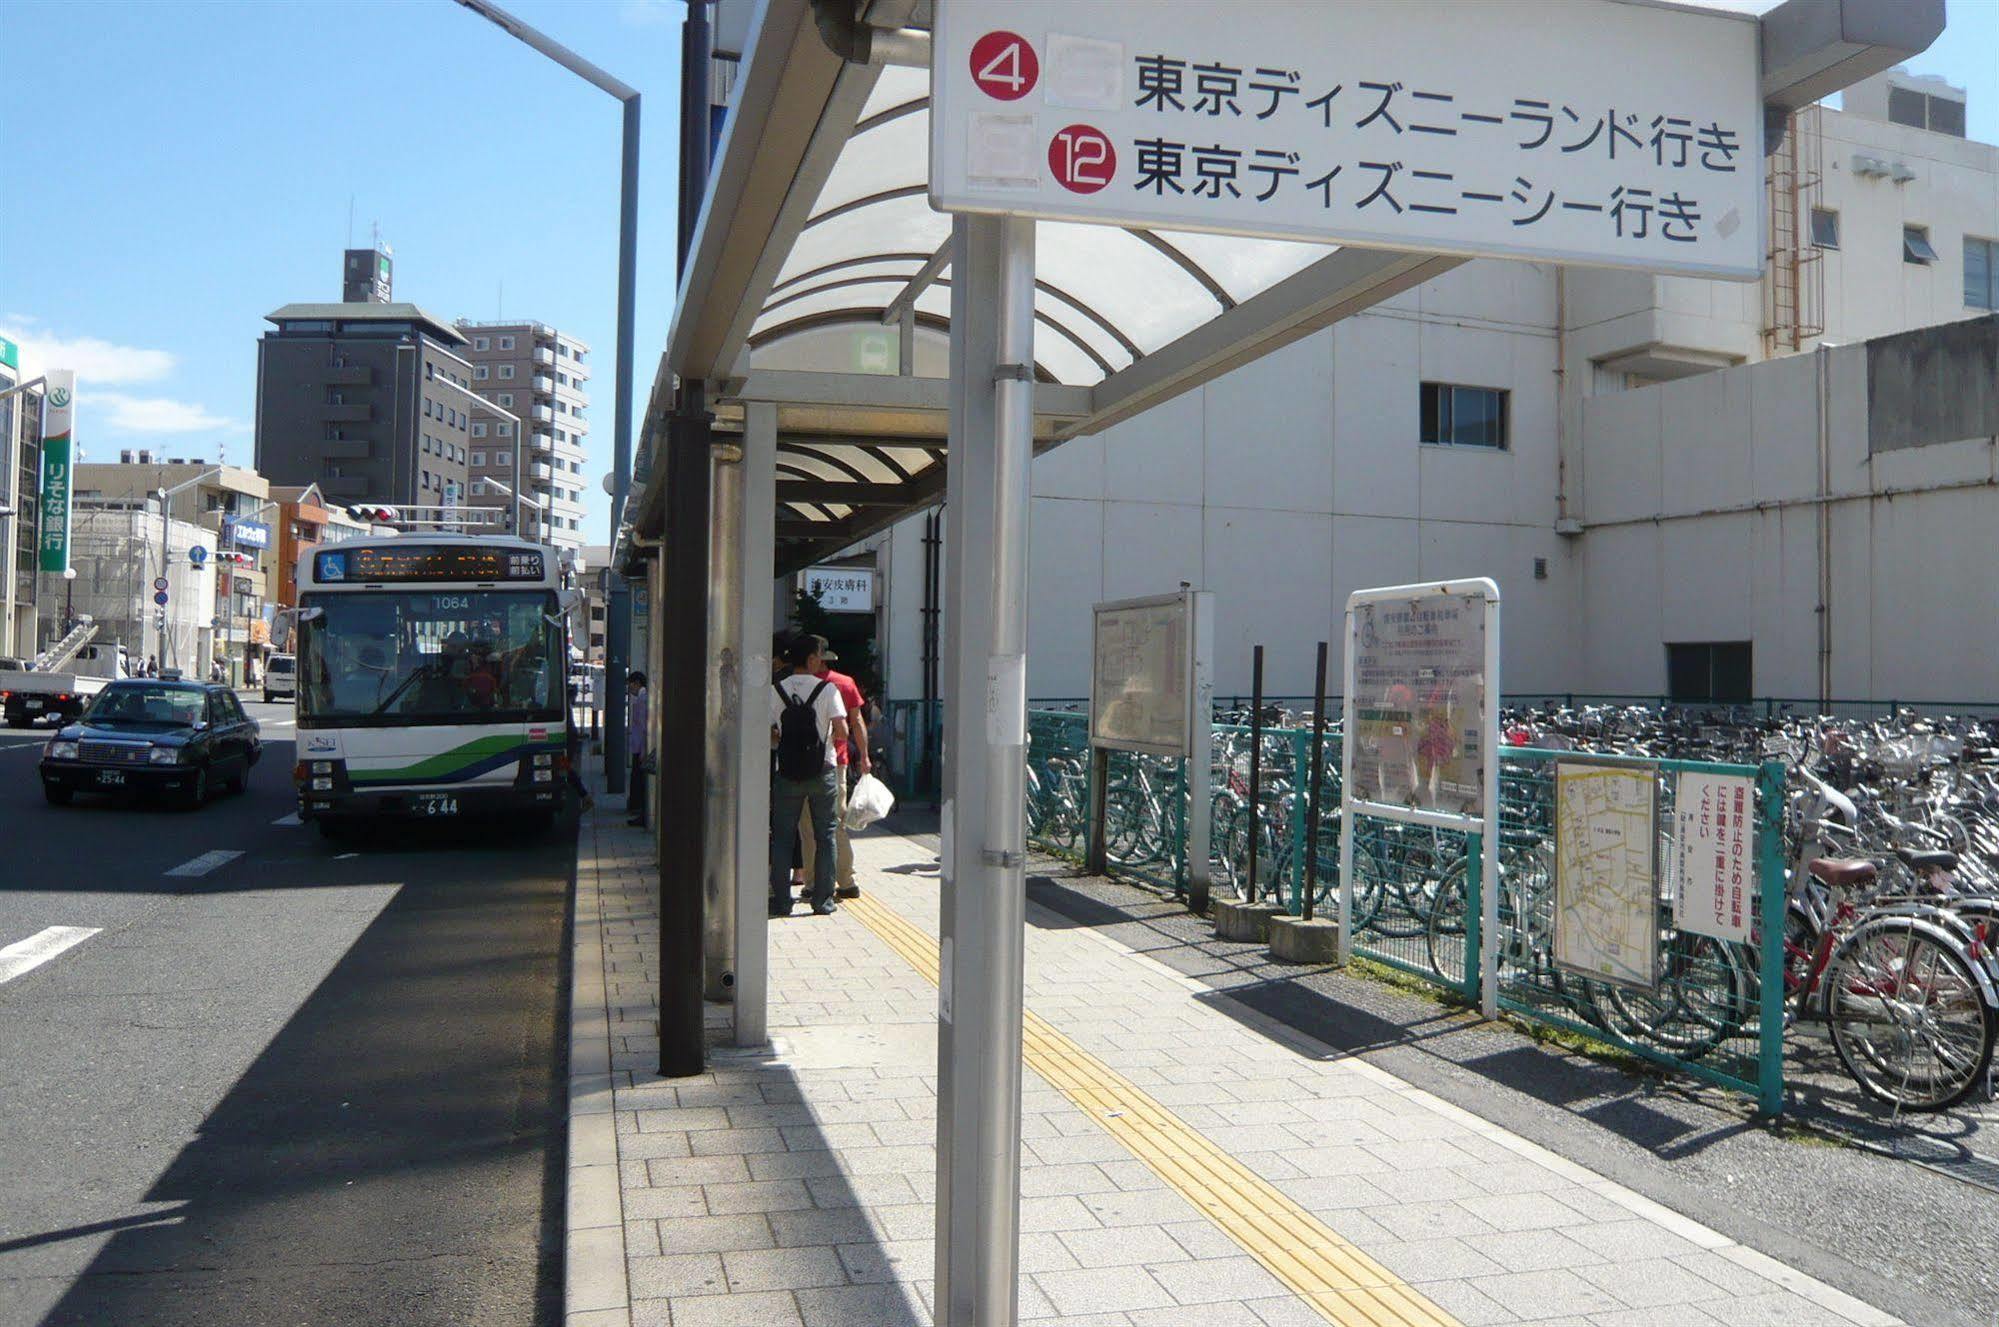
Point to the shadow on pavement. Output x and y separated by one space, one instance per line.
395 1154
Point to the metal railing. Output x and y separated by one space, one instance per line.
1713 1012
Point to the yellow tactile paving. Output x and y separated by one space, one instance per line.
1338 1280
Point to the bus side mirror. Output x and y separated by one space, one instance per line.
570 600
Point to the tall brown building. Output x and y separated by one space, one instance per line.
536 373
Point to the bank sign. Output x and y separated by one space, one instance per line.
1583 131
58 447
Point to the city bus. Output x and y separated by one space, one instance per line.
432 680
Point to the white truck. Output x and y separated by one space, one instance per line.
30 694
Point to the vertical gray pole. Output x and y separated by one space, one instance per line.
618 612
1349 822
1253 815
725 612
678 697
1311 889
984 832
1201 748
753 845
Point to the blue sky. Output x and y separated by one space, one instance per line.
193 166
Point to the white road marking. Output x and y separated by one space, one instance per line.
29 954
207 862
291 819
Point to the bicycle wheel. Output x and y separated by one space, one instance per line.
1908 1019
1445 939
1703 998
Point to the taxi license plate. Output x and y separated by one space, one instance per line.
435 804
110 778
32 704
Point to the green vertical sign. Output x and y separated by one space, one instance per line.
10 354
58 424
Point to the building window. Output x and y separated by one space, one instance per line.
480 343
429 371
479 373
506 398
478 430
1825 228
1463 416
1916 245
1943 115
1717 671
506 370
478 458
426 407
506 343
504 429
1981 273
503 458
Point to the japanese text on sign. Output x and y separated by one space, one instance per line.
1141 676
1417 701
1716 823
842 589
1632 141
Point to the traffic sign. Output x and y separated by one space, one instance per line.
160 598
197 555
1577 131
160 584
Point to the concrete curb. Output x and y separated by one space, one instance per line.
595 1292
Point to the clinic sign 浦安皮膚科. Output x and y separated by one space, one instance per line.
842 589
1586 131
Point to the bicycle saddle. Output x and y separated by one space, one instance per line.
1842 872
1927 861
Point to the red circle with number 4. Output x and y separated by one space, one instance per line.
1004 66
1082 159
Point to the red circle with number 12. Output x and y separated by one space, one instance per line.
1004 66
1082 158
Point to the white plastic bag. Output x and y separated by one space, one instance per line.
869 802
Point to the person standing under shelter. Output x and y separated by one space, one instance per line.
850 741
806 714
638 741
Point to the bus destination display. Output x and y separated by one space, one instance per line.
420 562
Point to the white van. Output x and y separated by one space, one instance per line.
280 677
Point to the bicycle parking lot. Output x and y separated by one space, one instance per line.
1907 948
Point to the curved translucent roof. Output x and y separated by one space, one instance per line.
1104 297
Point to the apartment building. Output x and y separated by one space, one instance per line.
528 452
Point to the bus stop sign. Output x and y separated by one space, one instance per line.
1604 132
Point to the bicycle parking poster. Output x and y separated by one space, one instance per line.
1715 817
1142 676
1419 702
1606 872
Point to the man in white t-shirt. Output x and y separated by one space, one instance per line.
806 715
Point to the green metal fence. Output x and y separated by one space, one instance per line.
1715 1011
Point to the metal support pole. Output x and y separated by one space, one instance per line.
984 828
724 697
680 700
1201 751
1318 785
1349 822
753 838
1253 816
618 612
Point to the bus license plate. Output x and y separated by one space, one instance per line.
436 804
110 777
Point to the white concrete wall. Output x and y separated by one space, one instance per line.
1289 483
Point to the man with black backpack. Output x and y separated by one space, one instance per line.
805 712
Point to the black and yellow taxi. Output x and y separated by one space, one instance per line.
179 739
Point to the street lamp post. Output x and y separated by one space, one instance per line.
618 617
68 599
163 494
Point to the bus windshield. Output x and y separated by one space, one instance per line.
430 656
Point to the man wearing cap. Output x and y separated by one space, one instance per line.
851 743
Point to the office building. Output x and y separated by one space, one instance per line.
232 506
536 375
369 400
20 494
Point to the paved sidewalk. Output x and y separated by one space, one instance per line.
1184 1160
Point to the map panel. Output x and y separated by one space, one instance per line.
1606 877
